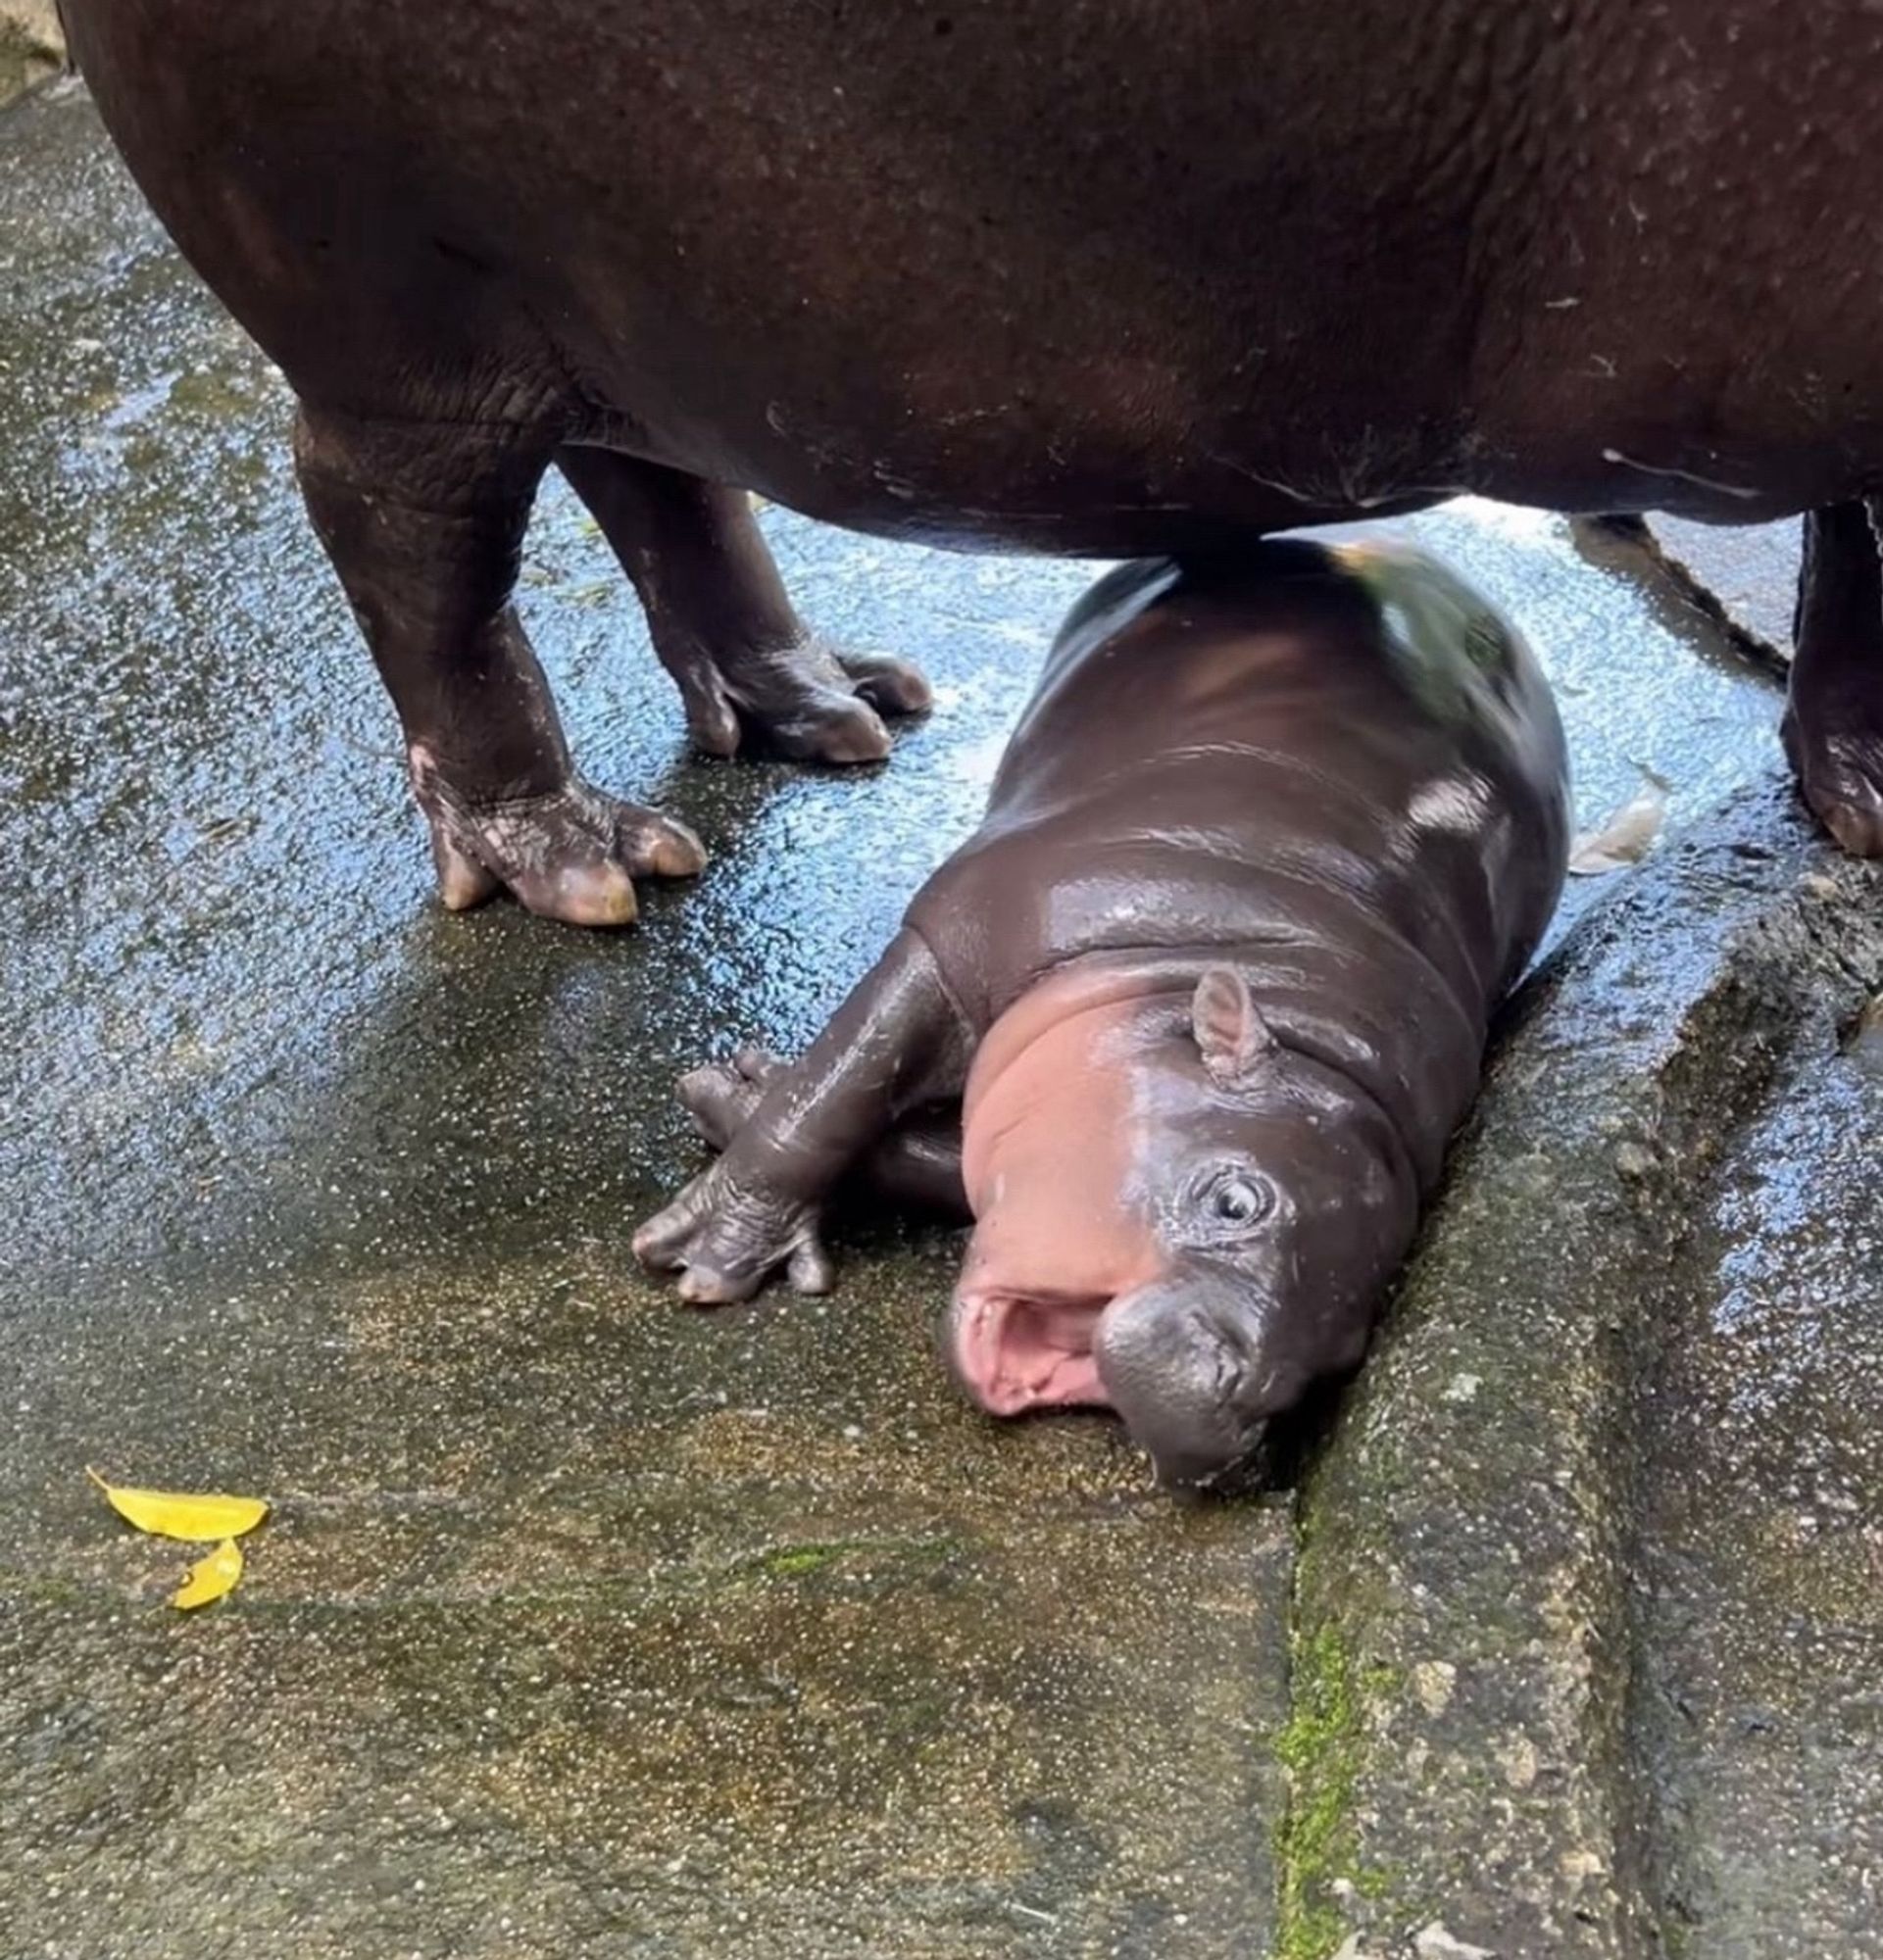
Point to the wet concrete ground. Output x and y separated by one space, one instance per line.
583 1623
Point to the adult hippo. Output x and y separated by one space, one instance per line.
1061 276
1188 1022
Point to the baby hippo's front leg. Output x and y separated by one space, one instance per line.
897 1042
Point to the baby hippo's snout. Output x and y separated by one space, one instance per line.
1191 1393
1165 1356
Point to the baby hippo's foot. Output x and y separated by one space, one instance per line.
805 702
571 853
726 1235
1835 742
720 1096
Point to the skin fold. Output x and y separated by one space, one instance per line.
1186 1024
1003 275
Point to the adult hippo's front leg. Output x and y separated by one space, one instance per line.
425 524
1833 725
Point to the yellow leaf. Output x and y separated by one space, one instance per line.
210 1578
195 1520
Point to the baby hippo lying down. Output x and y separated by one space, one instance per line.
1186 1024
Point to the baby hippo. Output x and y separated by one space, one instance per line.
1188 1021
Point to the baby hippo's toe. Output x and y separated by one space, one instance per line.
722 1096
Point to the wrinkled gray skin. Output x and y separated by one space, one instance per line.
1188 1021
1049 275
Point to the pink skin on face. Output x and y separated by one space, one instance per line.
1046 1153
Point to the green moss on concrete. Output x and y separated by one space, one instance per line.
890 1557
797 1559
1320 1748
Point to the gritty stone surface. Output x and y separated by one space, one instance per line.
1760 1705
37 19
588 1625
33 45
23 62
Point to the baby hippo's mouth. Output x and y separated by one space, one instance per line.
1017 1351
1148 1354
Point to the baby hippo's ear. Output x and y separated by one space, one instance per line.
1228 1025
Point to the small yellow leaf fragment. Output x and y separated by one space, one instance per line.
211 1576
195 1520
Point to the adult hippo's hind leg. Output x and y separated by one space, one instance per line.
1833 725
425 526
750 674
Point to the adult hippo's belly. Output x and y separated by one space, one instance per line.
1070 278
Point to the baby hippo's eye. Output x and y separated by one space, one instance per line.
1240 1198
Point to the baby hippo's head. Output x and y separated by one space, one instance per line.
1178 1218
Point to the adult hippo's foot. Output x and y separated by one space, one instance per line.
424 522
1840 772
568 853
1833 727
752 677
808 703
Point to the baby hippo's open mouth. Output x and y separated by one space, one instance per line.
1032 1351
1147 1353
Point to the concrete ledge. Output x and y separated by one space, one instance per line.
1463 1776
1743 577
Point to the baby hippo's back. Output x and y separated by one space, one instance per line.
1336 747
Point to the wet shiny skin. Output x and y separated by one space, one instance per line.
1209 984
